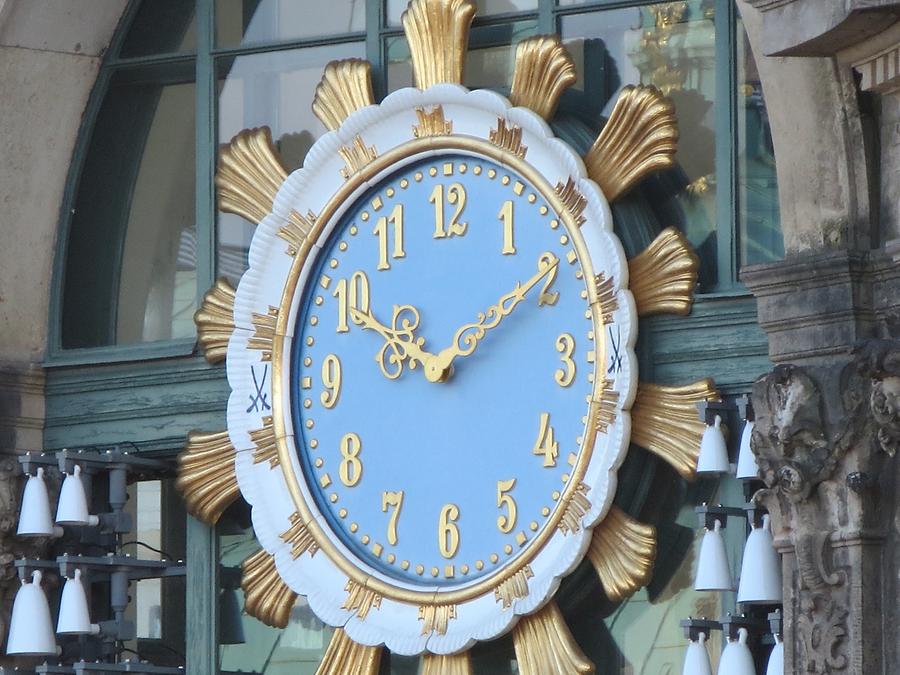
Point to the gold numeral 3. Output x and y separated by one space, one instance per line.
565 345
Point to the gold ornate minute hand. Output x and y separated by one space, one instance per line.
467 337
400 341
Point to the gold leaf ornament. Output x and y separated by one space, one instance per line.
215 320
664 276
622 552
346 657
266 596
544 645
346 86
453 664
249 174
206 477
544 70
438 35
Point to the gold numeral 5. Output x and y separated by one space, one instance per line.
448 532
331 380
456 194
355 294
351 468
381 230
565 345
506 523
394 499
545 444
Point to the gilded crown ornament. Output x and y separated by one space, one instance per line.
435 291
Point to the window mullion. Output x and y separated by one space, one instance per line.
726 151
546 16
206 148
376 20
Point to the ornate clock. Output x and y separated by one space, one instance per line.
431 359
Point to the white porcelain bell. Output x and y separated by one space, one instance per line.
736 657
73 506
34 517
760 581
696 659
776 659
74 616
746 466
713 573
30 628
713 457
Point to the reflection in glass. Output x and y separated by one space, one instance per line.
759 219
395 8
160 27
272 89
671 46
254 21
137 282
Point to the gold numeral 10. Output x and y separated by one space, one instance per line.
381 230
331 380
545 444
456 195
394 499
355 294
351 468
506 217
504 500
448 532
565 345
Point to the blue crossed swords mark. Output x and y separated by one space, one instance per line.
260 397
615 359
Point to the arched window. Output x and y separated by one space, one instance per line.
141 241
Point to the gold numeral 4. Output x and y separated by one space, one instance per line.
546 445
351 468
448 532
394 499
455 195
505 523
381 231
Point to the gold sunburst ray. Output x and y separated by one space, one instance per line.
215 320
345 87
544 70
640 137
438 36
266 449
206 476
453 664
345 656
665 421
622 552
514 588
664 275
360 599
544 645
436 618
266 596
299 537
249 174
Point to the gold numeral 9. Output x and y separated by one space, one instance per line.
506 217
355 294
506 523
448 532
545 444
565 345
331 380
394 499
456 195
381 230
351 468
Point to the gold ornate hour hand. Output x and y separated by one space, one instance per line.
467 337
400 342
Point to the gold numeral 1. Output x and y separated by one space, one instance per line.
448 532
565 345
381 230
506 217
355 294
506 523
394 499
331 380
546 445
456 194
351 468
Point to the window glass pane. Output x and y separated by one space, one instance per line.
274 89
671 46
248 21
131 259
759 219
395 8
161 26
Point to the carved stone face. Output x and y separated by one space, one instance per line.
885 405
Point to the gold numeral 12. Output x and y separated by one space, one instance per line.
456 195
394 499
506 217
448 532
545 444
381 230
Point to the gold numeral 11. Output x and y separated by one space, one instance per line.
506 217
381 230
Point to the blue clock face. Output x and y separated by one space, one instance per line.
442 369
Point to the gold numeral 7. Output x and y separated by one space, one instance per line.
394 499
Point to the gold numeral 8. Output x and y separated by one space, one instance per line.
351 468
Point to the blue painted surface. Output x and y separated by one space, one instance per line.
449 442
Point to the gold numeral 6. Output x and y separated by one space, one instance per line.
448 532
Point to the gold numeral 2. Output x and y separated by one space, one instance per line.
351 468
506 217
547 297
506 523
331 380
448 532
381 230
456 194
355 294
546 445
565 345
394 499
